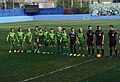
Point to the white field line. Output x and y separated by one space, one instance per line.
59 70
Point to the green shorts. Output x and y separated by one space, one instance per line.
20 42
35 40
28 42
52 42
11 42
65 43
82 43
45 41
58 42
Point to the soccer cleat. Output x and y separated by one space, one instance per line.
64 54
74 54
70 54
22 51
15 51
78 55
110 57
51 53
18 51
67 54
83 55
88 55
10 51
48 53
35 50
38 51
27 51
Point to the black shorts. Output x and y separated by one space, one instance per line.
112 44
99 44
90 43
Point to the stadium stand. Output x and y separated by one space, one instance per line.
108 9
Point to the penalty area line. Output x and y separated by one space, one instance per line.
59 70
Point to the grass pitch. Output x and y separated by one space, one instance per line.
17 67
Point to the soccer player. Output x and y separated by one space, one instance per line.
11 37
65 41
99 34
73 37
36 39
40 35
90 36
112 40
59 36
28 40
119 39
52 41
20 38
46 41
81 41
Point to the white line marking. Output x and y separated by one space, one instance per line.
52 72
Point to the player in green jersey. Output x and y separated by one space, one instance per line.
65 41
58 38
20 38
52 41
46 41
36 38
81 41
11 37
40 36
28 40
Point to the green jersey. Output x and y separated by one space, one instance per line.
28 36
20 35
40 34
52 36
59 36
11 36
81 37
64 37
45 35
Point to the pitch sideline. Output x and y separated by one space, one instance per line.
59 70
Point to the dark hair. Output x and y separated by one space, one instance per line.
110 25
40 28
11 29
98 27
51 29
63 29
19 29
45 28
89 26
72 28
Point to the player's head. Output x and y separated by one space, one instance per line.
64 30
90 27
45 29
111 27
12 29
72 29
40 29
28 29
19 29
59 29
51 30
98 28
80 30
36 27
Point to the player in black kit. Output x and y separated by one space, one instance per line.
112 40
72 36
99 34
90 36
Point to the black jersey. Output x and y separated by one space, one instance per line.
90 35
72 37
112 36
99 35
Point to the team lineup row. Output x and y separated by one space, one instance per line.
49 42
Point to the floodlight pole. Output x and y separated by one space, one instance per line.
89 4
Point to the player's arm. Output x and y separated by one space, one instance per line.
93 37
116 37
30 38
7 38
108 36
16 36
24 37
103 37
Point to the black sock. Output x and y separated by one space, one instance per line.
97 51
102 52
93 52
116 52
88 51
110 52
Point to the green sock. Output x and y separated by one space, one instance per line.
11 47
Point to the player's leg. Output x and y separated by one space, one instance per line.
92 50
102 47
115 48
